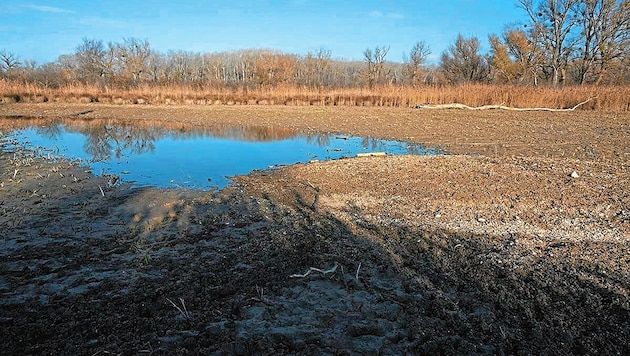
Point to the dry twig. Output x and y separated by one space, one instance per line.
260 296
313 269
181 309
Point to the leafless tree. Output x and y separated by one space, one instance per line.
315 67
414 64
130 58
462 62
605 37
156 68
49 75
90 57
375 71
180 64
8 61
554 24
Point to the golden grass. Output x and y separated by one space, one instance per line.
608 98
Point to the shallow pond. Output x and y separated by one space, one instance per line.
183 155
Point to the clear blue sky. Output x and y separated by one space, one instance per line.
41 30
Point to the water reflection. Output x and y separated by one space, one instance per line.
161 153
104 141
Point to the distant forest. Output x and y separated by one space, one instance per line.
564 42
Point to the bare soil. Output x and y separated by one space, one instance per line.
515 243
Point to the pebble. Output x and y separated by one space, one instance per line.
481 220
575 174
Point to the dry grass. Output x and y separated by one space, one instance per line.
608 98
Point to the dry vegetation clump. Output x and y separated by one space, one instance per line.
608 98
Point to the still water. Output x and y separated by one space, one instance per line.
183 155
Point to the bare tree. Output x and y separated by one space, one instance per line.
605 37
553 23
375 60
131 57
8 61
49 75
414 65
245 67
156 68
90 57
315 68
322 64
462 62
221 68
180 64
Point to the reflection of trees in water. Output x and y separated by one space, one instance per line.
133 134
44 127
371 144
235 132
107 137
9 124
49 131
322 140
104 140
117 138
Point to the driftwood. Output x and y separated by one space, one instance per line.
500 107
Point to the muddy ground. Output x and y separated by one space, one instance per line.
515 243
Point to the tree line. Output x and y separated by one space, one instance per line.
563 42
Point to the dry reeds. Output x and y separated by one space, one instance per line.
609 98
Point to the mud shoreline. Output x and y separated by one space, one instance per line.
496 249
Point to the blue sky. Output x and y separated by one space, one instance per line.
43 30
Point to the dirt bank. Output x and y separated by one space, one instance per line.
515 245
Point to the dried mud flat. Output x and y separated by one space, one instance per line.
499 248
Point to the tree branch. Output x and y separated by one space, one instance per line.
501 107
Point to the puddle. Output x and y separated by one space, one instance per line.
183 155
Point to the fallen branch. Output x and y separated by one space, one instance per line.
500 107
313 269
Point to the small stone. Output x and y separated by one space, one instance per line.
575 174
481 220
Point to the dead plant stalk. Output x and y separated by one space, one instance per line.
182 309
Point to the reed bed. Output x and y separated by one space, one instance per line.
607 98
